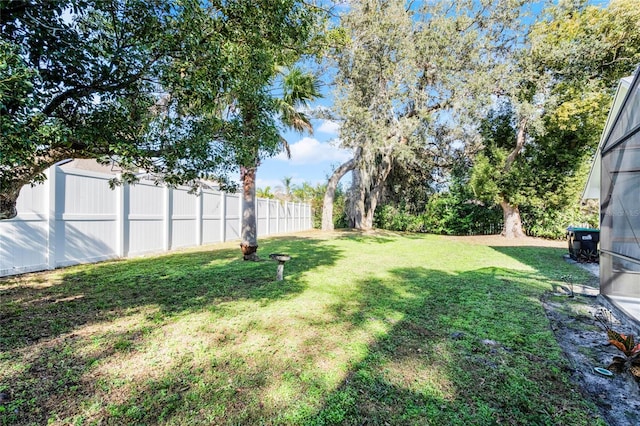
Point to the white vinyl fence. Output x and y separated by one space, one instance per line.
74 217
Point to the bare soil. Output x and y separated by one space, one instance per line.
583 339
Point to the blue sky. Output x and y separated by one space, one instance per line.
313 157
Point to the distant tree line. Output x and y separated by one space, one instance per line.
454 109
456 113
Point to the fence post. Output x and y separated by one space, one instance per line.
199 220
120 218
268 230
51 216
167 218
223 216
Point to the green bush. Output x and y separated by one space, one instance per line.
451 215
548 223
444 214
397 219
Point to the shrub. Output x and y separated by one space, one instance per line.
397 219
550 223
451 215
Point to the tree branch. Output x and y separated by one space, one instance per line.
520 140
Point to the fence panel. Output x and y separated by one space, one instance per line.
273 217
212 217
145 218
282 218
23 240
289 225
298 217
232 217
262 216
183 218
74 217
306 214
85 218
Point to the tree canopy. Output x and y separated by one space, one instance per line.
410 86
570 65
148 84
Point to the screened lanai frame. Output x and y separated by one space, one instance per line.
620 196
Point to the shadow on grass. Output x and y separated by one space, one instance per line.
376 236
549 263
473 348
33 309
440 348
41 316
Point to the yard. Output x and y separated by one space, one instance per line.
378 328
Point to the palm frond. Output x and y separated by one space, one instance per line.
286 147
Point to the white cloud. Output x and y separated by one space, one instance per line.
311 151
329 127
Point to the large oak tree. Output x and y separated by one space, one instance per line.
406 74
548 120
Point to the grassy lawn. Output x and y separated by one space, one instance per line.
365 329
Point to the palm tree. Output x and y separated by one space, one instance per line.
264 192
284 191
299 88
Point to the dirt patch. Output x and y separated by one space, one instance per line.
585 345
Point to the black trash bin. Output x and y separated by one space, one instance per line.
583 243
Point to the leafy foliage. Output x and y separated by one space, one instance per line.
625 343
450 214
398 219
447 213
407 88
566 77
158 85
545 181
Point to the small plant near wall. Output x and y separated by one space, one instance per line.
568 279
625 343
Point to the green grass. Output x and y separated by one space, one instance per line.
375 329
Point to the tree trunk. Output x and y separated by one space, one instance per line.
357 199
512 222
375 194
329 195
8 199
512 227
249 232
521 138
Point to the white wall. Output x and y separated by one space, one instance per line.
74 217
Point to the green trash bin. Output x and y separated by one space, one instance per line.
583 243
